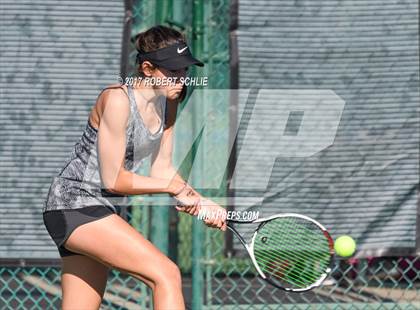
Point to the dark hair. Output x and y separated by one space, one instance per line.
155 38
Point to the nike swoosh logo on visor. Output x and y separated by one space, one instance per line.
181 50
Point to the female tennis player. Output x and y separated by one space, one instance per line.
82 210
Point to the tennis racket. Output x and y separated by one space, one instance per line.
290 251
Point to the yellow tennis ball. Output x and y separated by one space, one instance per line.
344 246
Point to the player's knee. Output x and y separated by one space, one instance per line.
170 276
173 274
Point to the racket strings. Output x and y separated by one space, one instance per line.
301 246
300 275
293 260
311 273
292 250
296 249
268 259
308 245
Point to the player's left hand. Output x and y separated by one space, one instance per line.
188 201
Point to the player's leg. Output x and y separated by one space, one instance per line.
83 282
113 242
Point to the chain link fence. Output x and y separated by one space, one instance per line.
39 288
377 283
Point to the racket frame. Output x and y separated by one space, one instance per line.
250 247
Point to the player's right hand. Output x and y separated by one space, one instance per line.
216 215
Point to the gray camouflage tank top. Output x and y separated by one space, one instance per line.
79 185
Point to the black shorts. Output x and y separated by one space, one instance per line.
61 223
